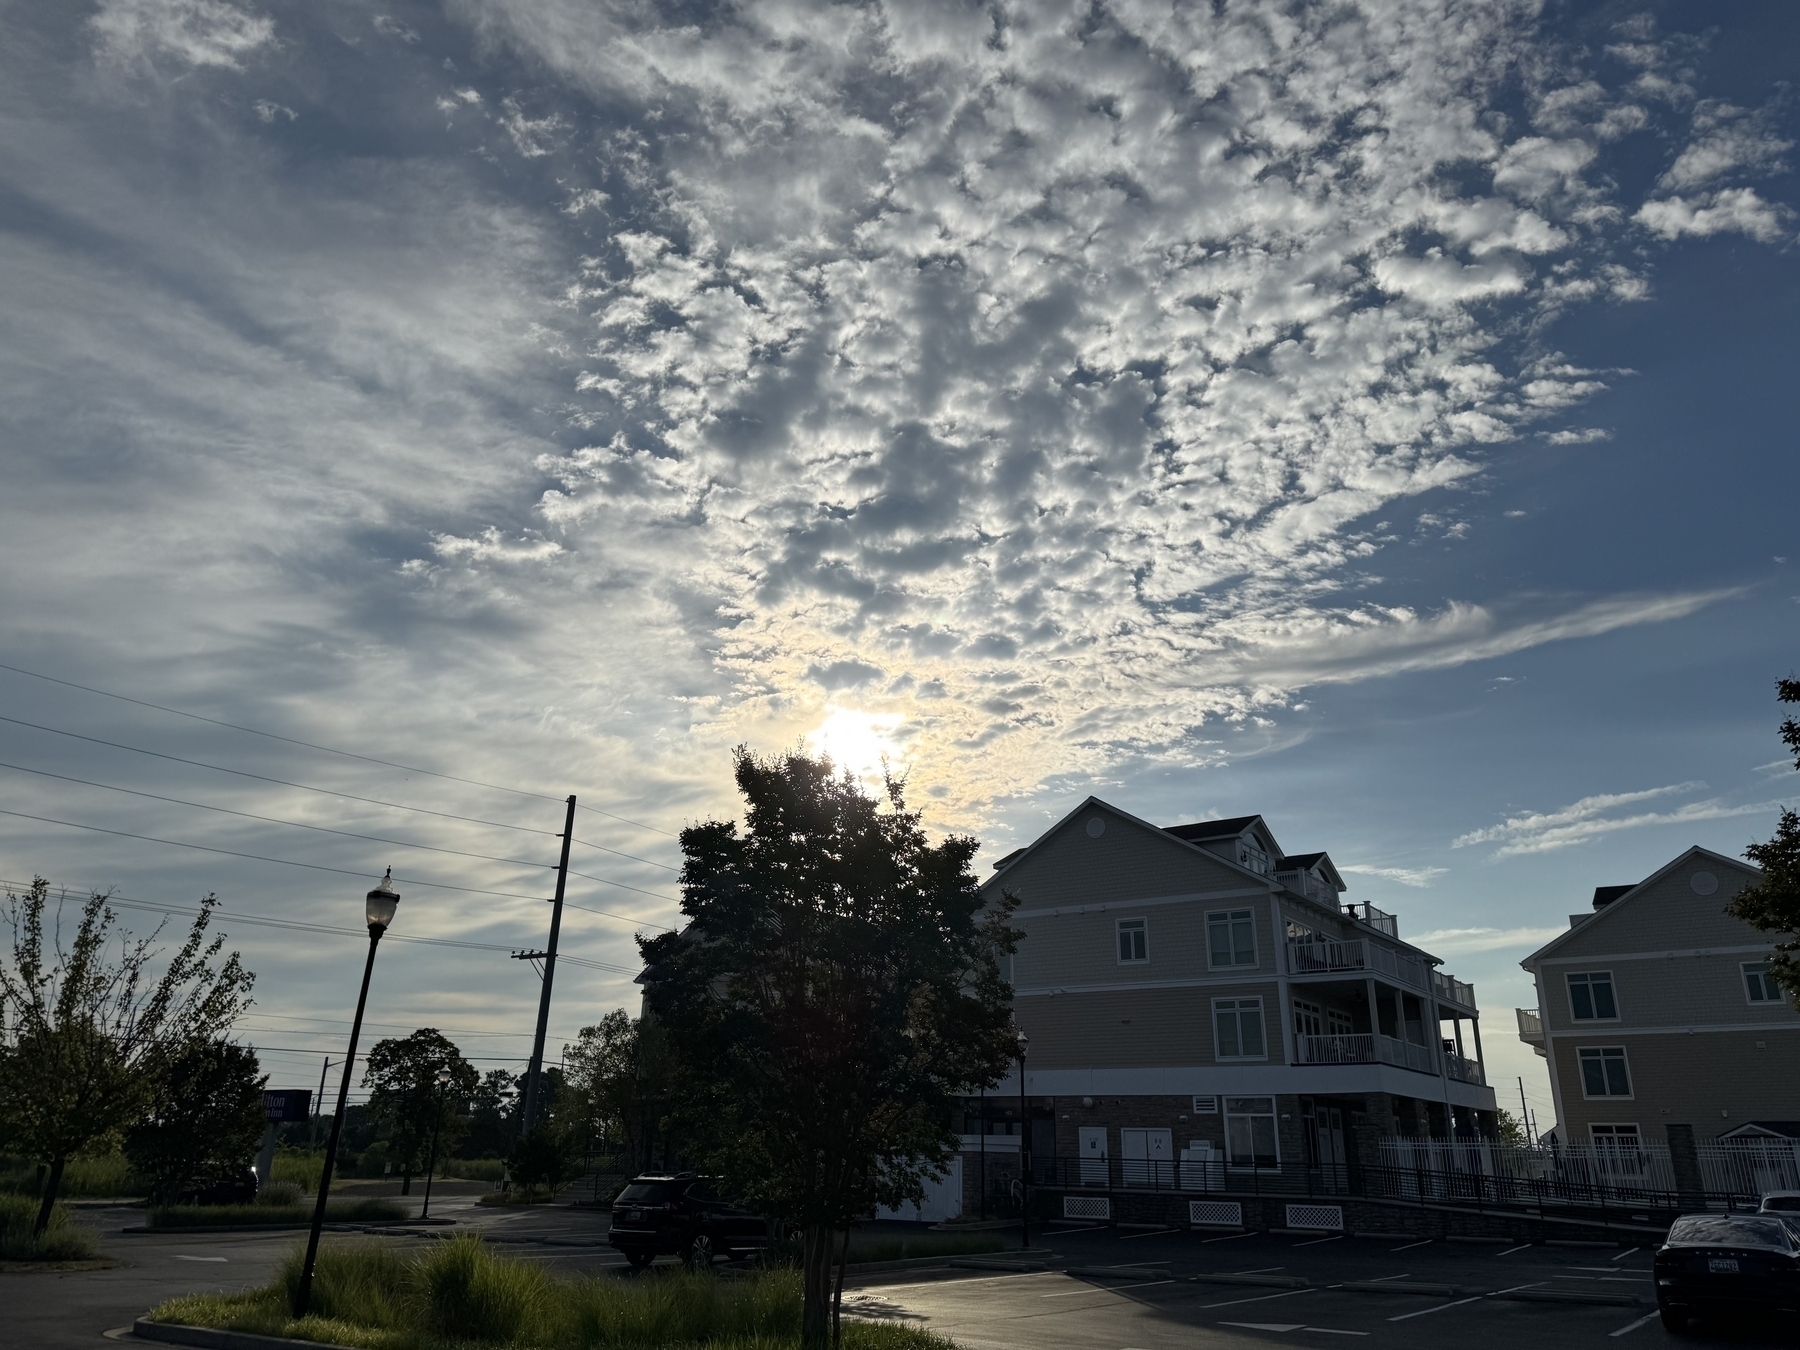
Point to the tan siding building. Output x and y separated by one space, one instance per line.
1654 1015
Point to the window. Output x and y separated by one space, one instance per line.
1253 857
1308 1021
1337 1023
1758 985
1622 1137
1591 997
1617 1151
1603 1072
1231 937
1239 1023
1134 940
1250 1132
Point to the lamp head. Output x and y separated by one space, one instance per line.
382 902
1024 1044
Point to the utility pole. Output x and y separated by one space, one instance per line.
534 1075
1524 1111
319 1110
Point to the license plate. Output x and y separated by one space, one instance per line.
1722 1265
638 1214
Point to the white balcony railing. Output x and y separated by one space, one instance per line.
1364 1048
1304 881
1311 957
1378 919
1531 1026
1453 990
1462 1069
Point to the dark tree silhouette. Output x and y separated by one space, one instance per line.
1773 905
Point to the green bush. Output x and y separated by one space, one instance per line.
233 1216
64 1240
300 1167
473 1169
458 1292
279 1195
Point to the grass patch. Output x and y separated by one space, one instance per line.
473 1169
240 1216
867 1247
83 1178
64 1240
300 1167
458 1293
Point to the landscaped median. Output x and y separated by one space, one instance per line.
374 1296
274 1216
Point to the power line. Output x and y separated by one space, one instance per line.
344 1022
330 750
634 857
259 857
280 782
582 806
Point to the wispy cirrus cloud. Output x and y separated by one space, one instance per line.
1417 877
1600 814
1461 941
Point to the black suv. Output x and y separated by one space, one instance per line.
685 1216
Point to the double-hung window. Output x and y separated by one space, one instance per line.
1231 937
1591 997
1603 1072
1757 984
1238 1029
1250 1132
1134 941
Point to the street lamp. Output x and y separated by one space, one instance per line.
437 1123
378 909
1024 1151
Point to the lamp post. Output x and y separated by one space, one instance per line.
1024 1152
378 909
437 1123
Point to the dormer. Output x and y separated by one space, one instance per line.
1244 840
1313 876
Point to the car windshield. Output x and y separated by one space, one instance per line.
1729 1230
652 1192
1781 1204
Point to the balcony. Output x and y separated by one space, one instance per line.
1380 920
1531 1030
1303 881
1310 957
1363 1048
1452 990
1462 1069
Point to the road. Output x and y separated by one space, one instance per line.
1158 1307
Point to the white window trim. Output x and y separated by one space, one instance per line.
1261 1010
1630 1075
1569 989
1779 1001
1255 962
1632 1125
1139 925
1226 1115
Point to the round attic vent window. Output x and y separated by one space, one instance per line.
1704 883
1096 827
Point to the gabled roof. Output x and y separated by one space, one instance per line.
1631 893
1228 828
1765 1129
1010 859
1605 895
1320 862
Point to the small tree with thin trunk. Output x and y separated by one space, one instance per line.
86 1025
835 994
1773 904
407 1098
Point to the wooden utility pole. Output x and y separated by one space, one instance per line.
535 1074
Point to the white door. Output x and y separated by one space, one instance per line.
1146 1157
1201 1168
1093 1155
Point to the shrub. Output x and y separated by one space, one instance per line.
279 1194
300 1167
465 1292
474 1169
64 1240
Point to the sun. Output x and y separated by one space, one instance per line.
859 741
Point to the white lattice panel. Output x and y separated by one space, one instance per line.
1086 1207
1216 1213
1316 1216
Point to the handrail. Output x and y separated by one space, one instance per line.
1531 1024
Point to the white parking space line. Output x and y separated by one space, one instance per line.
1633 1326
1229 1237
1260 1270
1622 1255
1409 1246
1336 1237
1438 1307
1157 1233
1389 1277
1260 1298
1510 1250
1293 1326
180 1257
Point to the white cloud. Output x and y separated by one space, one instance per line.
1577 435
1727 140
268 111
1462 941
1416 877
1737 210
1591 817
193 32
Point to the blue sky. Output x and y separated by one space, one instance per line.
1378 417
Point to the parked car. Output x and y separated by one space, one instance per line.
1714 1263
1781 1202
237 1187
682 1215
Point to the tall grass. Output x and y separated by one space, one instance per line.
298 1167
83 1178
64 1240
458 1292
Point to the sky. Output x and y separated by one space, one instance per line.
1375 416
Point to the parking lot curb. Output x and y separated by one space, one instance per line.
1395 1287
1005 1267
1261 1281
211 1338
1120 1272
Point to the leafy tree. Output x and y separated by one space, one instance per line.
544 1157
205 1118
1509 1128
491 1108
86 1025
409 1097
835 994
1773 905
619 1081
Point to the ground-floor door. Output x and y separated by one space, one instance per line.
1092 1139
1146 1157
1328 1153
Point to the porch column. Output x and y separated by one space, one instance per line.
1374 1018
1456 1030
1480 1059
